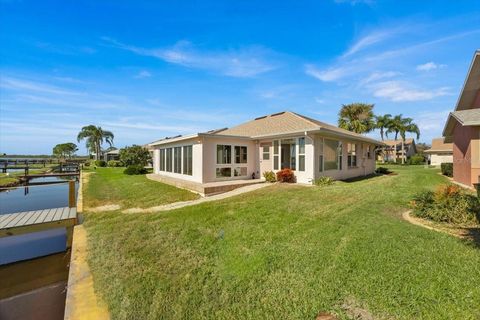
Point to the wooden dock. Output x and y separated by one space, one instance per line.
32 221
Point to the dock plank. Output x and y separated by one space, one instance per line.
58 214
15 220
4 216
42 216
25 218
50 215
7 219
73 213
33 217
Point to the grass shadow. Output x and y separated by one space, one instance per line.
367 177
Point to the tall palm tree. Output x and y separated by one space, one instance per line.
95 137
408 127
356 117
383 123
402 126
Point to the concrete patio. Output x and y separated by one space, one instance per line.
204 189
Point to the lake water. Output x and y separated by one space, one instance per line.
32 245
35 197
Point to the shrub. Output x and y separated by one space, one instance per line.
269 176
86 164
135 155
447 169
416 159
135 169
100 163
286 175
323 181
114 163
382 170
449 203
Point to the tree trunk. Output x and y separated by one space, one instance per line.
403 152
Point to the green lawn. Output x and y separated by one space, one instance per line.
110 186
287 252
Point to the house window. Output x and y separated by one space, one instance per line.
187 160
369 152
352 155
320 155
340 155
162 159
240 154
276 157
224 154
177 160
169 159
301 154
224 172
330 155
240 172
266 152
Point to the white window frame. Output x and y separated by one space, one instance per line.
232 165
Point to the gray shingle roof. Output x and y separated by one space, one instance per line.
284 123
469 117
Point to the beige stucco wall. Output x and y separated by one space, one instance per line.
205 159
364 167
475 145
265 165
210 157
438 159
197 161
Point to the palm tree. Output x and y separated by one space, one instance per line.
95 137
356 117
383 123
408 126
400 125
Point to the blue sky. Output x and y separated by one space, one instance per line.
150 69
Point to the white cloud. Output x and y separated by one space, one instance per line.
398 91
432 121
21 85
430 66
241 63
367 41
319 101
379 75
143 74
328 75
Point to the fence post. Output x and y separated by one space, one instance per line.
71 194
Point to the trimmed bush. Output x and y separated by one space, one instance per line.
100 163
135 169
382 170
135 155
114 163
269 176
447 169
449 203
416 159
286 175
323 181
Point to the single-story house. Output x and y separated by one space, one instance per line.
393 149
440 152
113 154
463 128
269 143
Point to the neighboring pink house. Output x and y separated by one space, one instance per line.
463 128
282 140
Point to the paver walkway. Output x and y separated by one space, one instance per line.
182 204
